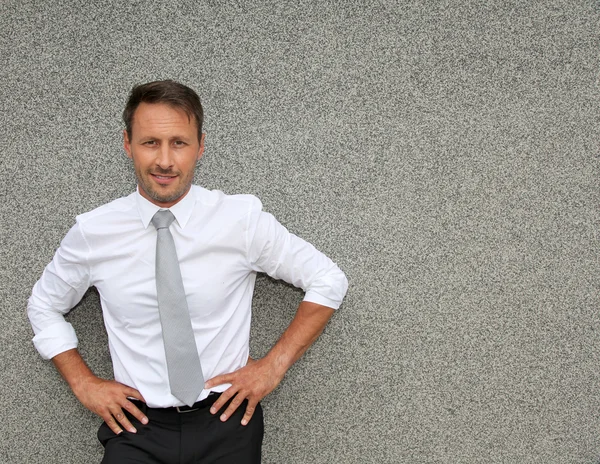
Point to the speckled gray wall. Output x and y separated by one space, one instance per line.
444 154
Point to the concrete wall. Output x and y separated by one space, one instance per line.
444 154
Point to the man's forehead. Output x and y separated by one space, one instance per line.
150 115
160 110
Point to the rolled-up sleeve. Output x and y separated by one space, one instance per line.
283 255
62 285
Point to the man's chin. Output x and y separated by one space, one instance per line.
164 196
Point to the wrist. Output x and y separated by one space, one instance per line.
277 364
82 383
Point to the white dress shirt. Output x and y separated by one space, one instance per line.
222 241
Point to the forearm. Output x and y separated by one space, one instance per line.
259 378
305 328
74 370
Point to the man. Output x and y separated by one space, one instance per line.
175 267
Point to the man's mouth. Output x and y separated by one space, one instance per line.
163 179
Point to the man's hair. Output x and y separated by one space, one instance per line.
169 92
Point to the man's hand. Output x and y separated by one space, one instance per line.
105 398
259 378
252 382
108 399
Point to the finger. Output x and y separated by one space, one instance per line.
235 403
135 412
224 398
218 380
123 420
133 393
250 408
112 424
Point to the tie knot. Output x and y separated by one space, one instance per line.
163 219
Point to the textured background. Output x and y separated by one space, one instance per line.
445 154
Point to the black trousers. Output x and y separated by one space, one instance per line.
195 437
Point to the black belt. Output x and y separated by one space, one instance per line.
208 401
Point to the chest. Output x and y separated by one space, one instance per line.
213 268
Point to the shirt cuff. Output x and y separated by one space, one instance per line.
55 339
314 297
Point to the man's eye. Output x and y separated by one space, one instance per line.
179 143
150 142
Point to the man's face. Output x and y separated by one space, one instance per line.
164 147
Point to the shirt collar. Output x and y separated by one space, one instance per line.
182 210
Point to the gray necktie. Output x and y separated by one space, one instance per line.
183 364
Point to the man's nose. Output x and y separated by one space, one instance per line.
164 158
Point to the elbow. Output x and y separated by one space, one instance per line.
344 284
329 290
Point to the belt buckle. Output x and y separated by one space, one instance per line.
186 410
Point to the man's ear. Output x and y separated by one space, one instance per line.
126 143
201 149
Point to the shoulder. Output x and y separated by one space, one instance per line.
216 199
115 209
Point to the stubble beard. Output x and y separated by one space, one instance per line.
185 182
